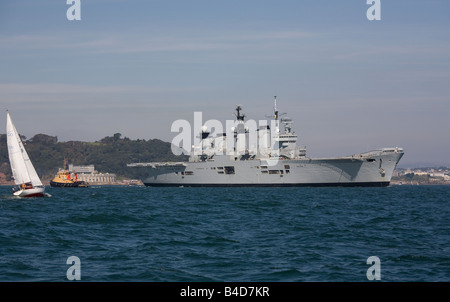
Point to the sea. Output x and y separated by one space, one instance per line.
399 233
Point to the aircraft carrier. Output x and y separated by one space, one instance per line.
275 160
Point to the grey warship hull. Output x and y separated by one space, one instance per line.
227 160
373 168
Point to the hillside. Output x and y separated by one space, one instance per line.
110 154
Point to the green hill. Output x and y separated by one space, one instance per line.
110 154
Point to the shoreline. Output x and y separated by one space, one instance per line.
139 184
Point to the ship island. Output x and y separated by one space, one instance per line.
277 162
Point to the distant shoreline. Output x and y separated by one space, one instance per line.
415 183
91 184
393 183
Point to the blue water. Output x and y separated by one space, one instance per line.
227 234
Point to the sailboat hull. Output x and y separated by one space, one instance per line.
34 192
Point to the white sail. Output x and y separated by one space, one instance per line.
21 166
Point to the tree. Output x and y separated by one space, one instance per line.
117 136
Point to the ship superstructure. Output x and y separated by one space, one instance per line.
267 156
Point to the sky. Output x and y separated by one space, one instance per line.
135 67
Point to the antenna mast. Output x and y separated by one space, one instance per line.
275 109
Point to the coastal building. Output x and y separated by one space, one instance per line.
429 175
98 178
91 176
441 175
82 169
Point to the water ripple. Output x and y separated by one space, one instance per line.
227 234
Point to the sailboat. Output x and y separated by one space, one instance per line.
26 179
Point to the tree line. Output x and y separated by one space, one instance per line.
110 154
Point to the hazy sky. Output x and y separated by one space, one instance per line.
134 67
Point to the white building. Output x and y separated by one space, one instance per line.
98 178
90 175
82 169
